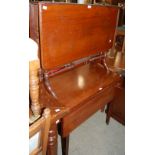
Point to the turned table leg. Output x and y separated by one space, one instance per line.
52 140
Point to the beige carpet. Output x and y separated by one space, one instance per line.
94 137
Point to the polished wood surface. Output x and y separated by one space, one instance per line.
66 35
34 22
79 84
77 91
76 85
89 107
121 4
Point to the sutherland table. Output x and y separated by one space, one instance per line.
73 40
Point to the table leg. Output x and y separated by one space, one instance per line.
52 142
65 145
107 114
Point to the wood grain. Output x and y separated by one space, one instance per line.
69 32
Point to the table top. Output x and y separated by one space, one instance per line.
75 86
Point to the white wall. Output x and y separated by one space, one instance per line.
14 84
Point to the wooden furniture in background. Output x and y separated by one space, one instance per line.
38 134
73 40
121 4
116 108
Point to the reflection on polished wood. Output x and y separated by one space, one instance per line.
77 85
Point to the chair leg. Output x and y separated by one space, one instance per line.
65 145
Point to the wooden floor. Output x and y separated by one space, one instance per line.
94 137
